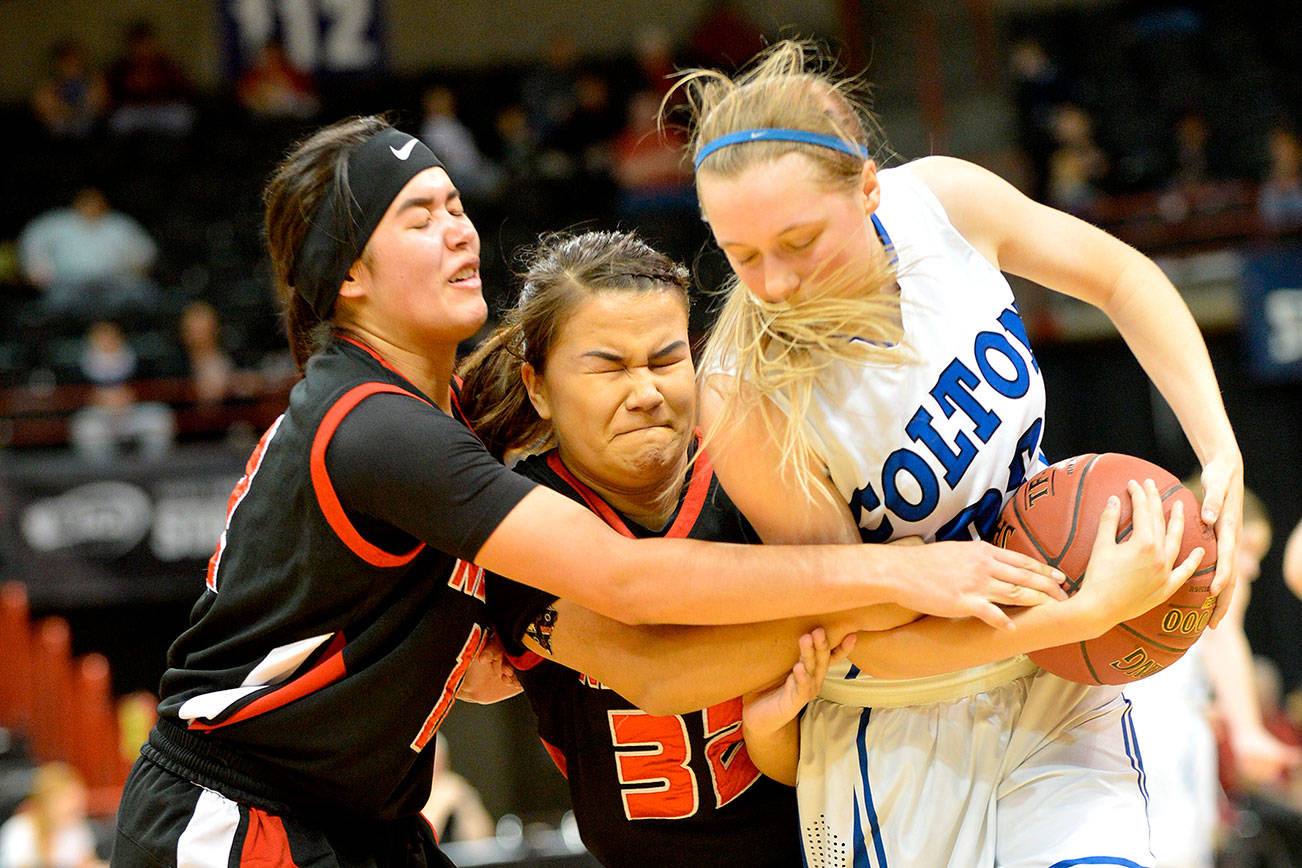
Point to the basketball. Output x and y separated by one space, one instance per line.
1054 517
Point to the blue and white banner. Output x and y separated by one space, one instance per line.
322 37
1272 314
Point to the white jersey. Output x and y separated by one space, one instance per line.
1001 765
932 444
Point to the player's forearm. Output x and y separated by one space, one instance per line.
776 754
691 582
1228 660
932 646
1161 332
670 669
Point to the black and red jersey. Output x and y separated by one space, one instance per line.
649 789
341 606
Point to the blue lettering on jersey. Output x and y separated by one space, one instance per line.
957 389
1014 388
915 466
980 517
922 428
1012 323
950 394
1027 445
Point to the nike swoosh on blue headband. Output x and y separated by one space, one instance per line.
780 134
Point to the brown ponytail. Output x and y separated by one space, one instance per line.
296 187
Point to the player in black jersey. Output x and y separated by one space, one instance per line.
344 604
613 391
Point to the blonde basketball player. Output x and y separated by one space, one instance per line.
871 353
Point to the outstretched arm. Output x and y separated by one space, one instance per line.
1068 255
550 542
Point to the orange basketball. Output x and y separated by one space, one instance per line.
1054 517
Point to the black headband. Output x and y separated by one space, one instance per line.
378 169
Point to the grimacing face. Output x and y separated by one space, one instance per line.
785 230
619 388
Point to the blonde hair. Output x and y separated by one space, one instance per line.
784 348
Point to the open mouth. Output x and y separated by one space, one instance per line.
470 272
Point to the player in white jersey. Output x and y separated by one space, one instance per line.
871 351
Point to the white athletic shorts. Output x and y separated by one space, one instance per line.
1035 773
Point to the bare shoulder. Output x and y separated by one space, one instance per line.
747 460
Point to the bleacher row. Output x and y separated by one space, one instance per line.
60 707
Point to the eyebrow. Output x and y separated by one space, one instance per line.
427 201
615 357
791 227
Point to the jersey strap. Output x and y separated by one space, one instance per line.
688 511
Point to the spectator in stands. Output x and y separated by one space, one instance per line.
1280 198
72 99
548 92
113 419
88 260
455 809
654 54
272 87
1039 89
724 36
648 163
1192 163
213 373
478 178
50 830
150 91
1078 167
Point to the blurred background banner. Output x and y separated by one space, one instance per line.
320 37
137 531
1272 302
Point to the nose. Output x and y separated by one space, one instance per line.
459 234
643 392
780 282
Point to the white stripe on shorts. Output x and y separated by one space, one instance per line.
210 834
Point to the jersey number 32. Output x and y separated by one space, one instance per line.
653 759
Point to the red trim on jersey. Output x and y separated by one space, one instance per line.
327 671
557 757
237 495
265 843
370 352
469 651
699 485
326 497
526 661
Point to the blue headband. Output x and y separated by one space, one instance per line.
779 134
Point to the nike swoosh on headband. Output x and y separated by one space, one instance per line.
405 151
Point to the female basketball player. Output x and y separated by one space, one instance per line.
871 349
593 364
344 602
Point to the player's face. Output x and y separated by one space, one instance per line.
419 274
619 388
786 232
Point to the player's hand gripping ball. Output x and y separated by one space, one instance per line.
1054 517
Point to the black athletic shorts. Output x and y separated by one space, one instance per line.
165 819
